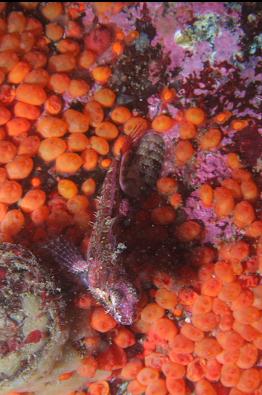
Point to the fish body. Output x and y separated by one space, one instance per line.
102 271
141 168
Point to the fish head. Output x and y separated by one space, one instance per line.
124 299
119 298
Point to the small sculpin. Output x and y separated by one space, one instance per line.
102 272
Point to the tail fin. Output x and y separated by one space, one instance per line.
65 254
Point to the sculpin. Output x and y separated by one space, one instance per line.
103 272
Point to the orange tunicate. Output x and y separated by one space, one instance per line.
135 124
223 202
181 344
247 314
187 130
135 388
37 59
28 111
89 187
195 370
95 112
78 88
3 174
52 10
239 124
205 321
105 163
37 76
168 94
107 130
210 139
233 186
184 152
162 123
13 222
67 188
18 73
51 148
90 158
77 204
54 31
132 368
204 387
88 367
16 22
188 231
147 375
230 374
33 200
31 94
10 192
100 145
9 42
101 74
77 121
248 356
117 48
175 200
120 114
191 332
195 115
124 338
223 117
59 82
3 210
255 229
166 185
68 163
2 133
207 348
7 151
68 46
102 321
29 146
105 96
166 299
206 194
86 59
53 104
233 160
50 126
20 167
5 115
152 312
77 142
119 144
241 175
2 76
249 190
229 292
224 271
249 380
202 304
17 126
243 214
163 215
8 59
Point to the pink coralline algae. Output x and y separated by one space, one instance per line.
210 166
126 19
216 230
224 51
